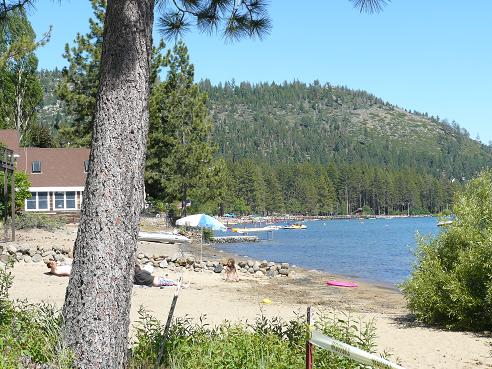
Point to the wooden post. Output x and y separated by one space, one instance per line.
309 346
12 189
5 194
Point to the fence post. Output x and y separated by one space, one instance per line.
309 345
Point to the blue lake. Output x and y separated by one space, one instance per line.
379 250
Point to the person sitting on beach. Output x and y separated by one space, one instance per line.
231 271
144 278
59 270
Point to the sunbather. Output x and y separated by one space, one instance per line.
144 278
59 270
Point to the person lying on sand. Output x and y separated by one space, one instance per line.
59 270
145 278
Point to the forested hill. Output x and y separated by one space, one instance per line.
295 122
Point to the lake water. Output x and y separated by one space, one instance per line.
378 250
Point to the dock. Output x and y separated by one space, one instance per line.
234 239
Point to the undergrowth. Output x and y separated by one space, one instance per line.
265 343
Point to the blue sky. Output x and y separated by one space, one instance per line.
430 56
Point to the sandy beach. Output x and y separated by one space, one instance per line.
411 344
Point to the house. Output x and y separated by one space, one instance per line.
57 176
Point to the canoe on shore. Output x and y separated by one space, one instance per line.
164 237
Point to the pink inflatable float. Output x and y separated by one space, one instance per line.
341 283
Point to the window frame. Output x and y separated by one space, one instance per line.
32 166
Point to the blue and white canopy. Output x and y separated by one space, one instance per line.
201 221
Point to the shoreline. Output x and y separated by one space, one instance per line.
413 345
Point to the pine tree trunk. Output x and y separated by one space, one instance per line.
97 302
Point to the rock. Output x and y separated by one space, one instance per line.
251 263
263 264
263 270
251 270
284 266
27 259
148 255
144 260
44 247
181 262
140 255
37 258
256 266
218 268
163 264
23 248
270 264
18 255
272 273
210 264
284 272
242 264
48 253
190 261
155 263
58 257
4 259
11 249
259 274
32 251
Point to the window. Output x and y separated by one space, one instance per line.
31 202
70 197
38 201
86 166
36 166
43 200
59 200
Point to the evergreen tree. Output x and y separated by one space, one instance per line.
21 90
180 155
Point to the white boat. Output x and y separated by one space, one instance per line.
444 223
257 229
164 237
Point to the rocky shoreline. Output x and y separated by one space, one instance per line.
17 252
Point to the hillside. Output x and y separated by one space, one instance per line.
295 122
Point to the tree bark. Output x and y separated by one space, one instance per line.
97 302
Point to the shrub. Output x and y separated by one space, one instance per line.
451 283
29 334
266 343
40 221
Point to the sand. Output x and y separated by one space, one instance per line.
412 345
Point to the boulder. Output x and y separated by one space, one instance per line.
272 273
11 249
58 257
251 263
259 274
140 255
163 264
242 264
251 270
37 258
4 259
270 264
218 268
27 259
181 262
23 248
284 272
284 266
32 251
263 264
48 253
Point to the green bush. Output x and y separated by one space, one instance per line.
266 343
29 334
451 283
39 221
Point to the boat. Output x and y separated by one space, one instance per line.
256 229
444 223
295 226
163 237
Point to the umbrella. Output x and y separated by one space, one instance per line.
201 221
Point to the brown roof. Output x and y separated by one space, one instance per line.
59 167
10 138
